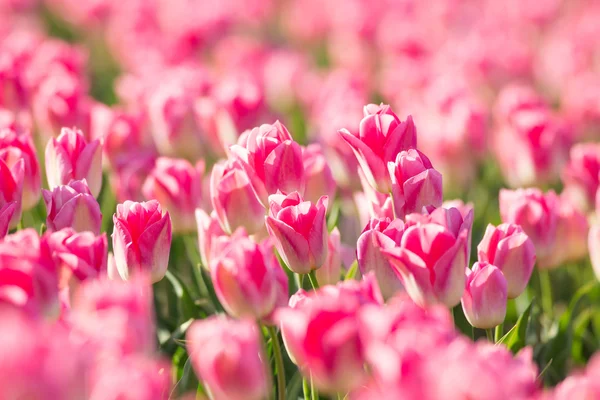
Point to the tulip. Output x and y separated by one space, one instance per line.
80 256
129 174
234 199
299 230
245 277
177 185
485 297
28 277
6 214
430 262
509 248
329 273
72 206
380 138
415 183
535 212
15 146
581 176
209 230
319 177
141 239
69 157
11 189
272 159
228 356
380 234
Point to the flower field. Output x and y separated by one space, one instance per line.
299 199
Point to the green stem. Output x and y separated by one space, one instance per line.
546 293
312 277
305 389
314 394
279 368
490 335
498 333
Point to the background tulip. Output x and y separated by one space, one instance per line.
319 177
330 271
6 214
141 239
209 230
228 357
72 206
581 176
484 300
70 157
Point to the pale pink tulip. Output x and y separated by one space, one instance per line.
485 297
209 230
330 272
72 206
319 177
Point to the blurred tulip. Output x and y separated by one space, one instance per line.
415 183
177 185
380 234
15 146
208 230
228 357
319 178
72 206
381 137
28 277
234 199
535 212
299 231
330 272
70 157
509 248
272 159
245 277
6 214
141 239
11 190
581 176
129 173
485 297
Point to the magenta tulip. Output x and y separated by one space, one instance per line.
11 191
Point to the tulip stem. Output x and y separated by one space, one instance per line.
490 334
305 389
279 368
312 277
498 333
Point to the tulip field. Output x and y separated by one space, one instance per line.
299 199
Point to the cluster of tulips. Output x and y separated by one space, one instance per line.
333 199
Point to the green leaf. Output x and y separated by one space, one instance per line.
515 338
334 216
352 271
186 306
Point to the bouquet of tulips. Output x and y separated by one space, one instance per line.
299 199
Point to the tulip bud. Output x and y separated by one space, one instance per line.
177 185
319 177
72 206
20 146
380 138
234 199
11 190
380 234
299 231
415 183
141 239
272 159
509 248
228 357
581 176
69 157
245 279
535 212
329 273
485 297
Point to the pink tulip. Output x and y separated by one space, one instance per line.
380 138
234 199
319 177
6 214
79 256
141 239
15 146
330 272
177 186
535 212
111 318
246 277
209 230
228 357
72 206
28 277
509 248
320 333
431 262
580 385
69 157
11 190
299 230
485 297
581 176
380 234
272 159
129 174
415 183
372 204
